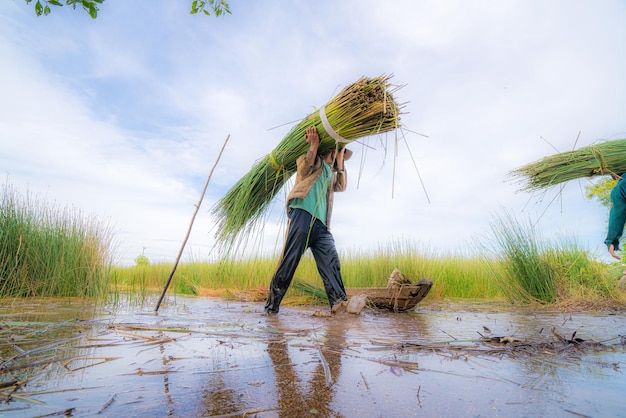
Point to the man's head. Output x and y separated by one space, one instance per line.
331 155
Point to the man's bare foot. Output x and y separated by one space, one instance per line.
339 306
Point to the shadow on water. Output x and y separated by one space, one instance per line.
210 357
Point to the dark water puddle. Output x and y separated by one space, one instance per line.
210 357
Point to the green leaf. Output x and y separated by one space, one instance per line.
93 11
55 2
46 10
225 6
38 8
194 7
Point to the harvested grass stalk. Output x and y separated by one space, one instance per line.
364 108
595 160
310 288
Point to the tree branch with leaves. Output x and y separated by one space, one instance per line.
207 7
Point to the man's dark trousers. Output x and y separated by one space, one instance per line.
302 233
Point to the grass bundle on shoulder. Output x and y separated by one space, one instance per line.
364 108
600 159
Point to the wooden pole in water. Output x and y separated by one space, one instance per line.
193 217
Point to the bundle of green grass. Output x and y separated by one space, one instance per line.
600 159
365 108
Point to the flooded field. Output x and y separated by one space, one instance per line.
211 357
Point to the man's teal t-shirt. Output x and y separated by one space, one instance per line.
315 201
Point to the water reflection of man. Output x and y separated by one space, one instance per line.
292 399
617 215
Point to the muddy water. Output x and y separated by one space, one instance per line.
210 357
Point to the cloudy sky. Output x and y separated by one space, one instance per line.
122 117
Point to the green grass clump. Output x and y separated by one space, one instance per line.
529 269
47 251
579 276
527 276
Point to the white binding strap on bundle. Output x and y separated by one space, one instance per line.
329 129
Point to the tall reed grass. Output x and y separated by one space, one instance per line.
514 265
454 275
49 251
529 269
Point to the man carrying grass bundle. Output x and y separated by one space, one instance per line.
617 215
309 209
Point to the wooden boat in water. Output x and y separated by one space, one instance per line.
395 298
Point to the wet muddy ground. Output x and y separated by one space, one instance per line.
211 357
